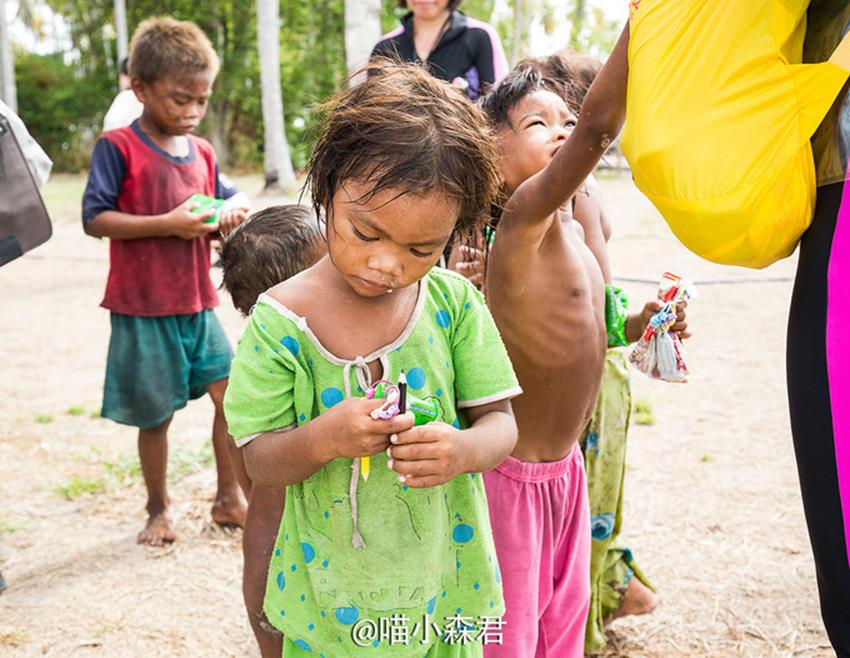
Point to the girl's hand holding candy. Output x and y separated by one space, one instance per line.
428 455
348 429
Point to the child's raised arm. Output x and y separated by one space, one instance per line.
601 119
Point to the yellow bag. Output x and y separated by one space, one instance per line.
719 116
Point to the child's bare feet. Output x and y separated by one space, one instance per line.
158 531
637 600
229 509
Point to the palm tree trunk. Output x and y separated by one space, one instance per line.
277 162
362 32
8 90
121 28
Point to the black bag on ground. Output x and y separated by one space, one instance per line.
24 222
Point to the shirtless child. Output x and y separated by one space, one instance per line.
546 292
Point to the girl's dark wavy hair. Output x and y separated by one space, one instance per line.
407 131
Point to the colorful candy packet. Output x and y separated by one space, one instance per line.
659 352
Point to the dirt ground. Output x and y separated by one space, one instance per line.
712 512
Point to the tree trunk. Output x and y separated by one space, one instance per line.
577 22
518 40
362 32
121 28
277 163
217 120
8 90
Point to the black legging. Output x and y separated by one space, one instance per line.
812 416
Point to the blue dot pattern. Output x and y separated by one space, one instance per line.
309 552
302 644
443 319
416 378
281 581
462 533
347 616
291 343
331 396
601 526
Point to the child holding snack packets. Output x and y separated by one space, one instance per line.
618 585
166 346
542 274
402 160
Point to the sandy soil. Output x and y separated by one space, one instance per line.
713 512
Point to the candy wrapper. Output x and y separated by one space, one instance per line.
616 314
659 352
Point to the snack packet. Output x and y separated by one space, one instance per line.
203 202
659 352
220 206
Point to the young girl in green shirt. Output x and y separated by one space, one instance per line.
401 563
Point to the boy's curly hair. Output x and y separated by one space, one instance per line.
162 47
404 130
267 248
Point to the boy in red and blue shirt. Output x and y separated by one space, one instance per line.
167 345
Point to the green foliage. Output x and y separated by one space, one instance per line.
312 67
643 414
77 486
63 97
60 105
185 462
597 34
124 470
7 526
44 419
312 61
76 411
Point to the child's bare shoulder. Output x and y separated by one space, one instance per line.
296 293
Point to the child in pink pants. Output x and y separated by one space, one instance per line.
541 521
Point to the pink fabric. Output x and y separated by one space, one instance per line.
838 351
541 524
500 62
392 33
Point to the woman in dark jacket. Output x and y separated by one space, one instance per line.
454 47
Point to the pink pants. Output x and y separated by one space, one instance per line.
541 525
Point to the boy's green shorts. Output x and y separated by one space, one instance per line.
157 364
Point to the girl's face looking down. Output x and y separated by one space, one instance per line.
387 241
539 125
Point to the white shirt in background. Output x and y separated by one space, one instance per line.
125 109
